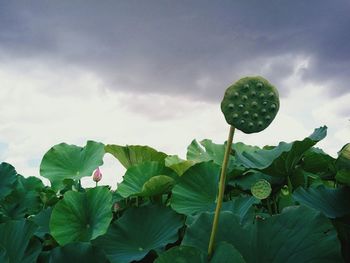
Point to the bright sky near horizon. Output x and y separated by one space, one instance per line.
154 73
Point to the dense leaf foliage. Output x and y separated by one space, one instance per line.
283 203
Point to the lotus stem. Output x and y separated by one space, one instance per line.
269 208
221 191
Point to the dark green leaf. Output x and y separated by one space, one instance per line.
318 162
281 160
182 254
332 202
343 176
226 253
8 177
3 255
24 199
299 234
139 231
15 239
42 220
78 252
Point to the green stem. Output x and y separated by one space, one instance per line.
269 206
96 184
275 205
290 186
221 191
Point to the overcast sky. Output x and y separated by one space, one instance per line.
154 72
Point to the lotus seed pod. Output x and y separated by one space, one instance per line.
257 101
261 189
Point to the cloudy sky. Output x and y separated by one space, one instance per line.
154 72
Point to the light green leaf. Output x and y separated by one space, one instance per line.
177 164
136 180
131 155
157 185
208 151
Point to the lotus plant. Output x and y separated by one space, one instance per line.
249 105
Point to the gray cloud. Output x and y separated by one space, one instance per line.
192 48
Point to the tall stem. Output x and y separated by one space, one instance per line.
221 191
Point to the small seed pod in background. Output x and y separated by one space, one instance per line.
97 176
250 104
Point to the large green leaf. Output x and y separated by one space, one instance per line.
139 231
77 252
332 202
278 161
8 177
134 154
197 188
299 234
65 161
138 181
81 216
15 239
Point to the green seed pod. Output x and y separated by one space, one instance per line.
261 189
254 95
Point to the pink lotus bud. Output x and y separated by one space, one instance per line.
97 176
